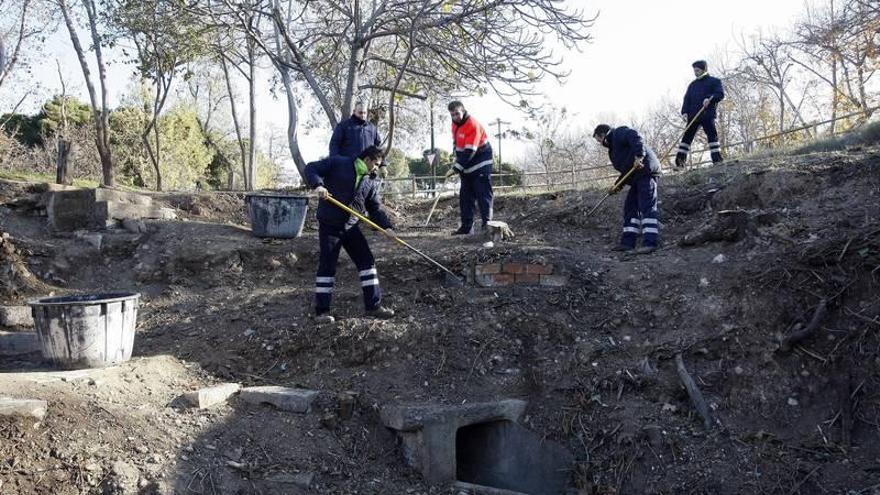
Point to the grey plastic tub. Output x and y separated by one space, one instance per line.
277 215
88 331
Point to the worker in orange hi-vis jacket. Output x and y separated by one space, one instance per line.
473 162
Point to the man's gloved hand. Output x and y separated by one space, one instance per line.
450 172
684 117
707 101
321 192
382 172
637 164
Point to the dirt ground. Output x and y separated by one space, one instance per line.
750 249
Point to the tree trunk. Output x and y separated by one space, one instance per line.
65 155
104 130
292 123
292 109
252 87
235 121
99 112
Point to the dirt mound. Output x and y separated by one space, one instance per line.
16 280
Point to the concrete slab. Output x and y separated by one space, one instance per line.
25 408
287 399
16 316
414 417
211 396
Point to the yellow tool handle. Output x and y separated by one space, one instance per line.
690 124
400 241
364 219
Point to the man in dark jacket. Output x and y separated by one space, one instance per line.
704 92
354 134
351 182
640 213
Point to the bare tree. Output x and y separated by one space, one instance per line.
339 48
101 111
23 24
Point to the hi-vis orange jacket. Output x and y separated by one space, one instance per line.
470 138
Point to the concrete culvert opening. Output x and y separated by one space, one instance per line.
504 455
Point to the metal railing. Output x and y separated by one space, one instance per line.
575 178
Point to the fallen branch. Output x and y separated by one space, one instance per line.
794 338
694 392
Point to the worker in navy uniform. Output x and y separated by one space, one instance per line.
350 181
703 93
640 213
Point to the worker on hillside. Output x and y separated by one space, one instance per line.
351 181
640 213
354 134
473 162
703 93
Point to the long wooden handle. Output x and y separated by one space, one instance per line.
400 241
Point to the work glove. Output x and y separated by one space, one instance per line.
684 117
637 164
707 101
321 192
450 173
382 172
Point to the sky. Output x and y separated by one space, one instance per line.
641 52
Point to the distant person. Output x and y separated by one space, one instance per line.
473 162
640 213
704 92
351 182
354 134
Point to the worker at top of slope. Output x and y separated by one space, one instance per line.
473 162
703 93
351 181
354 134
640 213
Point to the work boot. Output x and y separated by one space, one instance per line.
679 162
381 313
325 319
464 231
719 161
622 248
646 249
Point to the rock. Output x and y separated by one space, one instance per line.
287 399
210 396
18 343
301 480
91 238
792 402
249 332
27 408
704 282
719 259
134 225
124 476
16 316
738 370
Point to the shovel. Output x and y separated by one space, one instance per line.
449 276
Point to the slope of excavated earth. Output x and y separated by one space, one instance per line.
750 249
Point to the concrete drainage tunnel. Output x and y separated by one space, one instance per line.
480 448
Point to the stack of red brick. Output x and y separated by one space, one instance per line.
504 274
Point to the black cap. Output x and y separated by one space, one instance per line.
602 129
700 64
